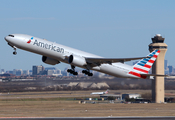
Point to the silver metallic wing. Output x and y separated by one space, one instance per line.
99 61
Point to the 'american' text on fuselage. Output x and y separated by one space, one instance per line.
47 46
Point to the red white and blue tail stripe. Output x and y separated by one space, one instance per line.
144 65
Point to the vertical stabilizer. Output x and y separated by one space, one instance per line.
106 91
145 64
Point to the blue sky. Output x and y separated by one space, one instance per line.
109 28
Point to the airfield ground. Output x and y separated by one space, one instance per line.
60 104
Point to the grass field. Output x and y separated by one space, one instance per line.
50 104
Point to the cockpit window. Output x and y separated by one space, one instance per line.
11 35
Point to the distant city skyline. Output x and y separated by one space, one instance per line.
41 70
169 69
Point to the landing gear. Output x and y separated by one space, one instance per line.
87 72
72 71
14 53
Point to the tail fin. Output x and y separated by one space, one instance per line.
145 64
106 91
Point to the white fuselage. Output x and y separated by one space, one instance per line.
97 93
59 52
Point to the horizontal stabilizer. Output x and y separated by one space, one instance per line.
154 75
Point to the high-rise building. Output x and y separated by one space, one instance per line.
25 72
37 69
50 72
167 71
17 72
165 64
14 71
30 72
171 69
58 71
10 72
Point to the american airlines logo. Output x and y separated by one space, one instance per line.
30 40
48 46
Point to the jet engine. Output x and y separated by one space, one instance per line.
77 60
50 61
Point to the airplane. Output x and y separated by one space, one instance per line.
53 53
99 93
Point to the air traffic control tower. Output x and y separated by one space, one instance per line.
158 68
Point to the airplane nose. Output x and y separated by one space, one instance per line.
6 38
9 38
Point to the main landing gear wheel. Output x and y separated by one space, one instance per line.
86 72
72 71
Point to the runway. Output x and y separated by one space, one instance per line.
89 118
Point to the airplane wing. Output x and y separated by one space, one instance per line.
98 61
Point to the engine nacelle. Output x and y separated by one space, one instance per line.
77 60
49 60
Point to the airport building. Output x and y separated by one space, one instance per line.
135 96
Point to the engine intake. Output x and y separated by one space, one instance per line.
50 61
77 60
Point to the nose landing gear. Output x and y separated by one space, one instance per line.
14 53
